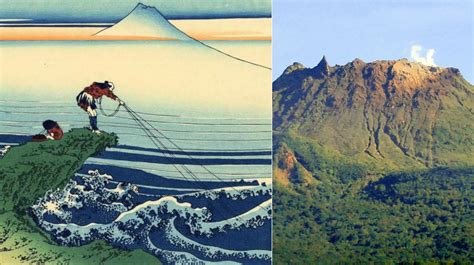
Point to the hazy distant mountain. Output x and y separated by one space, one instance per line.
144 21
384 110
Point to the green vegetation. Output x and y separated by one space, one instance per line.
359 214
29 170
396 112
373 164
26 173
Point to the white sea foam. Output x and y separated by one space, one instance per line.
133 224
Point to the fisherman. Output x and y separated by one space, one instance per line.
53 132
87 100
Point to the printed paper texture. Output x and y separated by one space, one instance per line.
135 133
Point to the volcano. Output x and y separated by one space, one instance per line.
372 163
144 21
384 110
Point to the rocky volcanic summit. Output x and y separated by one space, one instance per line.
383 109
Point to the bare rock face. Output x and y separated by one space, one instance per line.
287 169
382 110
322 69
294 67
288 160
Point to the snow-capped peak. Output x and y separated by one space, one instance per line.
144 21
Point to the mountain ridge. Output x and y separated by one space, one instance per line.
144 21
372 164
386 109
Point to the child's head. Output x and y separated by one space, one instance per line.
50 124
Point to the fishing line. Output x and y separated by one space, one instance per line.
124 125
144 113
128 118
204 140
99 100
196 179
187 170
202 123
179 148
161 145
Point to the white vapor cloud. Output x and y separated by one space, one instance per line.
415 55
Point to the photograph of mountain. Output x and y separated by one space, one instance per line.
236 132
373 143
135 132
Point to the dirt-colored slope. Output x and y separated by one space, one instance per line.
384 110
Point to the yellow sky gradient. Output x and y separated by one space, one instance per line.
205 29
146 74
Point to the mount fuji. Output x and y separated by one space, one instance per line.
144 21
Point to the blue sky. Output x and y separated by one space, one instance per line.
113 10
305 30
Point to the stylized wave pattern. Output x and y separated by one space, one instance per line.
148 204
177 229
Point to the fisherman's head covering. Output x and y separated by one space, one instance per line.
105 85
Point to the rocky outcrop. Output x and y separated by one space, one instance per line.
384 110
287 169
28 171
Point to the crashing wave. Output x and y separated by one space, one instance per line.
129 226
234 192
91 193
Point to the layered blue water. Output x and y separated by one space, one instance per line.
199 192
204 196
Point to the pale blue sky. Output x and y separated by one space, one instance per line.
305 30
113 10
